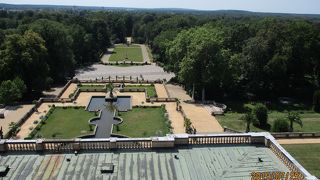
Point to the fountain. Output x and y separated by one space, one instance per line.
107 105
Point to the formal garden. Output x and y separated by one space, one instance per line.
63 123
71 122
143 122
127 53
150 89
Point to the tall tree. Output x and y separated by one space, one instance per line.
58 43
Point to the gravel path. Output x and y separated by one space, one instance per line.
149 72
161 91
299 141
107 55
144 53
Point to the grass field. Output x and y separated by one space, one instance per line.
310 119
308 155
151 91
143 122
92 86
121 52
66 123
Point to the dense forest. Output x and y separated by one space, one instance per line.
217 56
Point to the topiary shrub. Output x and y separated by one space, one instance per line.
188 126
280 125
316 101
261 113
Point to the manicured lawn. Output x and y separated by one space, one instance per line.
124 45
143 122
92 86
151 91
133 53
66 123
308 155
310 119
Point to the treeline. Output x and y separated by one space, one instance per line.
41 48
213 56
245 58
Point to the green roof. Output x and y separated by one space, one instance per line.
187 162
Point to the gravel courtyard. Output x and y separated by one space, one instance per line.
149 72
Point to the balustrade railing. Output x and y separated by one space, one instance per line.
169 141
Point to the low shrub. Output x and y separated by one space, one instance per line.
280 125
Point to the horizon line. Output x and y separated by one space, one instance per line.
151 8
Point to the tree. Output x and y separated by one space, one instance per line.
316 101
11 91
280 125
14 128
22 56
294 117
248 118
58 43
261 113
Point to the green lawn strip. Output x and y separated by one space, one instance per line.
91 86
143 122
151 91
124 45
66 123
308 155
310 119
132 53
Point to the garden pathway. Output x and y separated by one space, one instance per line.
299 141
106 56
201 119
145 55
176 91
161 91
14 114
71 89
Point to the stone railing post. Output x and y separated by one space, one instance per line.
181 139
3 146
163 142
113 143
39 145
76 145
257 138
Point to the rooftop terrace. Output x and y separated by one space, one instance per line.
194 162
181 156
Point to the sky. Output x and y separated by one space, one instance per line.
276 6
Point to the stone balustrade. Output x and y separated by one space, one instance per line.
169 141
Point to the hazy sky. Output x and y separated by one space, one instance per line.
283 6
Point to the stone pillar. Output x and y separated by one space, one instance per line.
76 145
39 145
3 146
163 142
181 139
113 143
